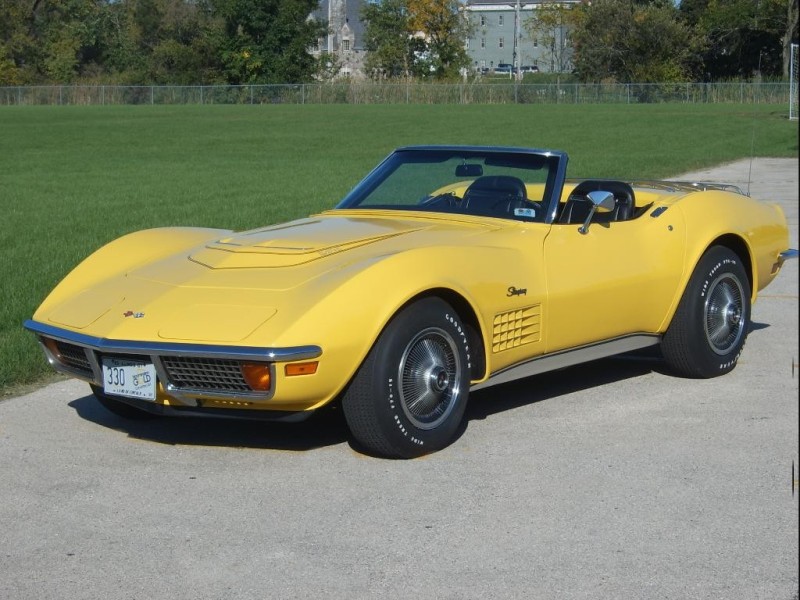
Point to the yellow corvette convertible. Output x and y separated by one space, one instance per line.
445 270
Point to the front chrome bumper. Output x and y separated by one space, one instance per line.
80 355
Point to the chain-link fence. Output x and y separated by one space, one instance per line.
411 93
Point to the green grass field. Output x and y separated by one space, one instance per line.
72 178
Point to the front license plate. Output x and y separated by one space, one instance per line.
131 378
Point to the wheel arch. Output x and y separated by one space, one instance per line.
468 316
738 246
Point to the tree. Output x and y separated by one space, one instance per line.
268 41
790 36
17 45
548 25
444 28
389 41
623 41
741 37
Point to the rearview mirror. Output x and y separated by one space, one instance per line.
469 170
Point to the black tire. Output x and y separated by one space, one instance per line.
709 329
408 397
121 408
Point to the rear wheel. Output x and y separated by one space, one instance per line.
710 327
409 395
119 407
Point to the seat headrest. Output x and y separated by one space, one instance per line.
506 184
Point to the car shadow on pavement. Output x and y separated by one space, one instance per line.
551 385
328 426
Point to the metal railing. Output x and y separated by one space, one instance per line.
400 93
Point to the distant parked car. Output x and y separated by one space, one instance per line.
528 69
504 68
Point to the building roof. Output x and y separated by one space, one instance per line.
352 18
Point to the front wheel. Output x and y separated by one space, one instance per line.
409 395
710 326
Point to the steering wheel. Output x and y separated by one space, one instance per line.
448 199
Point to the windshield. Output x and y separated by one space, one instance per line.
494 183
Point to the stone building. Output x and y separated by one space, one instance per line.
345 39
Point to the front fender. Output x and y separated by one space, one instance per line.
348 314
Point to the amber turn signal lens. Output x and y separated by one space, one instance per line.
257 376
306 368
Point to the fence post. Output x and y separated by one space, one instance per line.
151 95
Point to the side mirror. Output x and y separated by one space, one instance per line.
601 201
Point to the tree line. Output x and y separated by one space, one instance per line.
190 42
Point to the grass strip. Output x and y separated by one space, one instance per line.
73 178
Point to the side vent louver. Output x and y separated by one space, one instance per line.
516 328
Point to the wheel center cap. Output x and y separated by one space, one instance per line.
439 379
733 315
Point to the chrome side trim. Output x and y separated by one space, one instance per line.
568 358
173 348
689 186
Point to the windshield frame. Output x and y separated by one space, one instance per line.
554 160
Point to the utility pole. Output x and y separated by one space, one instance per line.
516 40
330 37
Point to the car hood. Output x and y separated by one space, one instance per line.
225 289
301 241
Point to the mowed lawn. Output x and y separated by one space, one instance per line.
73 178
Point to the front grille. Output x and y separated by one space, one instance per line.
205 374
73 357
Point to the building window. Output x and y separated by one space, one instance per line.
346 45
501 43
483 21
500 22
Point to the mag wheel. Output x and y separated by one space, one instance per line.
709 328
120 408
409 395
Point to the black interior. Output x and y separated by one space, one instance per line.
494 195
578 205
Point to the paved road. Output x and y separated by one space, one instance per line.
610 480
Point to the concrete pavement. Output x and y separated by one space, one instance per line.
608 480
